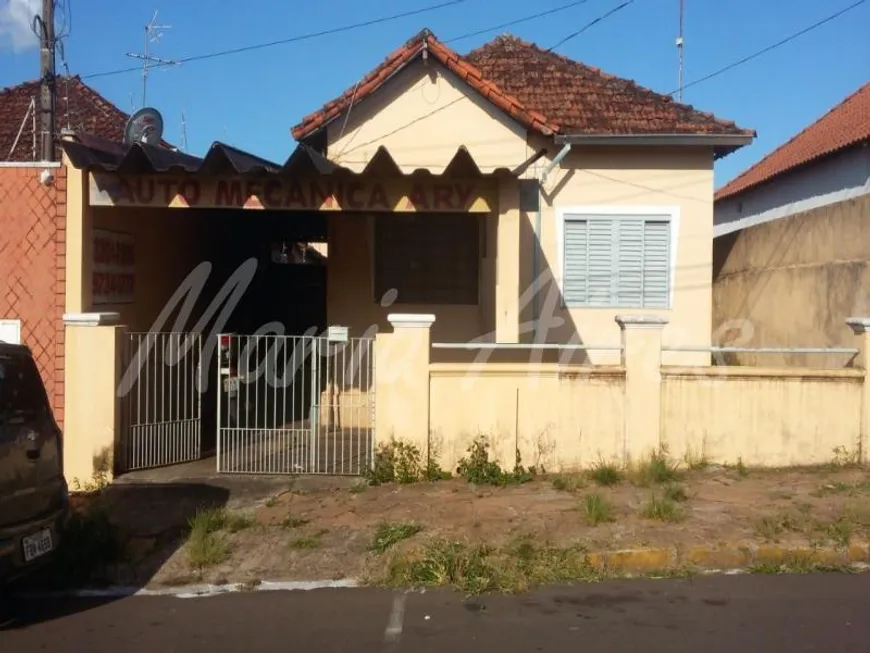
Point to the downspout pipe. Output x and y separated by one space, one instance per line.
536 254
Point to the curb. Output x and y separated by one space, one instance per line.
734 556
191 591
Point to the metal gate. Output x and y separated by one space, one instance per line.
161 399
295 405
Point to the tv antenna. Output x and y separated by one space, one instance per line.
153 32
183 132
680 50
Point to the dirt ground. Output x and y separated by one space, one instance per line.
326 533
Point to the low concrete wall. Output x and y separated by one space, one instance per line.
553 415
569 417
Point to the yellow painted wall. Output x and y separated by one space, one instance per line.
766 416
793 282
557 419
423 115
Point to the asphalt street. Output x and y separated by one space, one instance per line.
707 614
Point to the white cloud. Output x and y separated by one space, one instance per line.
16 19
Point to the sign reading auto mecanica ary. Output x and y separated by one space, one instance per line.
113 267
315 194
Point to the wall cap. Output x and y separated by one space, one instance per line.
641 321
91 319
411 320
859 325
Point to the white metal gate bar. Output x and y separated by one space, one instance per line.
162 409
295 405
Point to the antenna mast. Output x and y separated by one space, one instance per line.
680 50
183 133
153 32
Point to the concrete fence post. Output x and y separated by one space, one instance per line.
92 419
642 360
861 328
402 381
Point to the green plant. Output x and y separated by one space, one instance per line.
841 531
597 510
91 544
769 528
401 462
389 533
306 543
476 467
568 482
662 509
605 474
656 470
291 521
206 543
676 493
742 472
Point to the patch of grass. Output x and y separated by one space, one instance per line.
401 462
656 470
676 493
91 544
207 550
606 474
291 521
769 528
477 467
477 568
568 482
306 543
598 510
801 565
388 534
206 544
358 488
742 472
841 531
838 487
271 502
661 509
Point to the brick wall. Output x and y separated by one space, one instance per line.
33 268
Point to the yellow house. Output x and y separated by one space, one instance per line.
603 200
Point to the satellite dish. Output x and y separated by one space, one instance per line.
144 126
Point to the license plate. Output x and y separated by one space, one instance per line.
37 545
231 385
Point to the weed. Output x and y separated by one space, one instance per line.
476 467
207 550
605 474
656 470
389 533
769 528
290 522
742 472
838 487
598 510
841 531
271 502
91 544
401 462
477 568
568 482
306 543
842 457
206 544
358 488
676 493
662 509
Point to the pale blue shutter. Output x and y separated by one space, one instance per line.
656 263
602 260
629 270
575 284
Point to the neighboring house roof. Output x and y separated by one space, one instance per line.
541 90
847 124
77 105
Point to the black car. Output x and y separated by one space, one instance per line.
34 502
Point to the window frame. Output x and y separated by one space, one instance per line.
670 213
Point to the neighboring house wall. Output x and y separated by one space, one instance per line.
424 114
793 282
840 176
33 267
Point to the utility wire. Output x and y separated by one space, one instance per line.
782 42
292 39
590 24
517 21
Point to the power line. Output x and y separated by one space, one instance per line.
782 42
292 39
518 21
590 24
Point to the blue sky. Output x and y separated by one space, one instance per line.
252 99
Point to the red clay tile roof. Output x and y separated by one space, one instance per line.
544 91
89 112
846 124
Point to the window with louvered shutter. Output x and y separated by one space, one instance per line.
616 261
